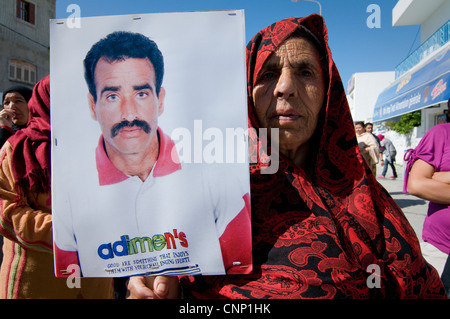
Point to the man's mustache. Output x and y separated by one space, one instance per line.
136 123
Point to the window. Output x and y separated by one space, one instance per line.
441 118
25 11
22 71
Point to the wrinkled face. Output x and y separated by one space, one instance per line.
289 92
15 102
127 106
359 129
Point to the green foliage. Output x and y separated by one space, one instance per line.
407 122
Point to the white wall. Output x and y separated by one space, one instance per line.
363 96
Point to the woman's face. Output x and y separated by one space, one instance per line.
15 102
289 91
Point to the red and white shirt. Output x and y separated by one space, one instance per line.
183 219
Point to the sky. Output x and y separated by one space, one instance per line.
361 38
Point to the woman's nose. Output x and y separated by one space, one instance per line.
285 87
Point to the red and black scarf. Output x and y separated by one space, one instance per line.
319 233
31 145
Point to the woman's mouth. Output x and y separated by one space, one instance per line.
286 116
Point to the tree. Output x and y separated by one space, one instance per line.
406 124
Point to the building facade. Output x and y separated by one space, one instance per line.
24 41
422 79
362 92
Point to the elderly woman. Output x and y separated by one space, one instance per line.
321 224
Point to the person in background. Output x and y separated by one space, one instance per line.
427 176
368 127
389 152
368 146
322 220
25 213
14 114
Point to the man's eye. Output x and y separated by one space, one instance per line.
142 94
112 98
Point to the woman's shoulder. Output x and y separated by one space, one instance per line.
439 129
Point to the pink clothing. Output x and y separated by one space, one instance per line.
434 148
168 162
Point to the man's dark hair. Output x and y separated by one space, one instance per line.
359 123
121 45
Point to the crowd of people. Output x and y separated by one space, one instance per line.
318 224
376 149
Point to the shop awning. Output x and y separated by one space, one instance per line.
417 89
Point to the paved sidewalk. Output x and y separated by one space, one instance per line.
414 208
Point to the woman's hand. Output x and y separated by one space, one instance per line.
6 118
149 287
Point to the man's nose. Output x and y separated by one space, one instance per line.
128 109
285 87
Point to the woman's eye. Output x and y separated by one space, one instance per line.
306 73
267 76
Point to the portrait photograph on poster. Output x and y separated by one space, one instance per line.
149 145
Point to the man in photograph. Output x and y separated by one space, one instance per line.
126 98
146 213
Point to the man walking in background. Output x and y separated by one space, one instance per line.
389 151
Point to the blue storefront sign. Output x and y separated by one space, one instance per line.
426 86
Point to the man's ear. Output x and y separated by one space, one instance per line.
91 103
162 95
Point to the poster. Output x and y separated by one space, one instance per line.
149 152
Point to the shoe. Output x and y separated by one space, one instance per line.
380 176
393 177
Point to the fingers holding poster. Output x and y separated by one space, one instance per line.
123 201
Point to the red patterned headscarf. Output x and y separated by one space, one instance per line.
318 232
338 161
31 145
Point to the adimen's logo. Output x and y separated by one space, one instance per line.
126 246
